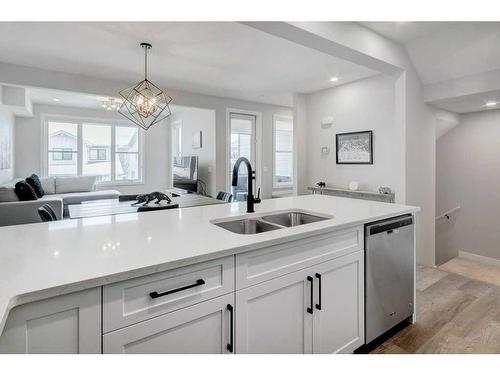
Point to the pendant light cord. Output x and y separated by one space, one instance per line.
146 63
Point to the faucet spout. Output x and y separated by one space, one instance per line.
250 199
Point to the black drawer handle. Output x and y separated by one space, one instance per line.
310 309
318 305
197 283
231 329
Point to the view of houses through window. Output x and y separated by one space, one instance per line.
108 151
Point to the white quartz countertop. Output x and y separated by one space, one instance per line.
44 260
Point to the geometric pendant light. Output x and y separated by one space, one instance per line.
144 103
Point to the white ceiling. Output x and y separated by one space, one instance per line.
216 58
445 52
65 98
77 99
469 103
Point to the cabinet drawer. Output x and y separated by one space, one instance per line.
204 328
264 264
129 302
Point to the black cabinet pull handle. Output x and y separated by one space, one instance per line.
310 309
318 276
231 328
197 283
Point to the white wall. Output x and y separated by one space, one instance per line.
7 133
414 121
194 120
363 105
468 175
28 132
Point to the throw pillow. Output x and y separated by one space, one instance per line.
25 192
35 183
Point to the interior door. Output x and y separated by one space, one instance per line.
242 144
272 317
338 324
204 328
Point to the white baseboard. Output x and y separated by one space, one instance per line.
479 258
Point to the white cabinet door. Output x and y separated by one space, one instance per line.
338 325
201 328
272 317
65 324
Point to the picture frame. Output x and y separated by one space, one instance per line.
197 139
354 147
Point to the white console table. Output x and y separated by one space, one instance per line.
356 194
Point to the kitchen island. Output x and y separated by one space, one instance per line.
172 281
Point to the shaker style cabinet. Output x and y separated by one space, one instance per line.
316 310
271 317
206 327
68 324
338 322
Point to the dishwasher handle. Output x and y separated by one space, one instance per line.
389 225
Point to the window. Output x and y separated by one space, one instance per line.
96 140
111 152
176 139
283 152
242 128
62 149
127 153
65 154
98 154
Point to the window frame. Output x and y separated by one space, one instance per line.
80 121
284 186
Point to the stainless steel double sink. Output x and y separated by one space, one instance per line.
270 221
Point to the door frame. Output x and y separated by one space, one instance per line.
258 146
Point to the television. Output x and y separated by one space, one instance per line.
185 170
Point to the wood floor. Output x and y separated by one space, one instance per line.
455 314
473 270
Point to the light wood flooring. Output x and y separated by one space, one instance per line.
455 314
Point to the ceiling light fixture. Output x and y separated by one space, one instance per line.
144 103
56 100
111 104
334 79
491 104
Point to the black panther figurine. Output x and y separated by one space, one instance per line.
146 198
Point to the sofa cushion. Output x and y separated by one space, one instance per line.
25 192
8 194
74 184
77 198
48 185
35 183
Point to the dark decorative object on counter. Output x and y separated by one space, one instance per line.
25 192
145 199
35 183
321 184
384 190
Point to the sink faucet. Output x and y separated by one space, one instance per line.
250 199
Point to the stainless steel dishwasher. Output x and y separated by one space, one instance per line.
389 274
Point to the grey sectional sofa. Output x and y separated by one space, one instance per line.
59 192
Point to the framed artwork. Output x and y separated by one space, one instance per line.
355 147
197 140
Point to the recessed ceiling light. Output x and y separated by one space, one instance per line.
334 79
491 104
56 100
